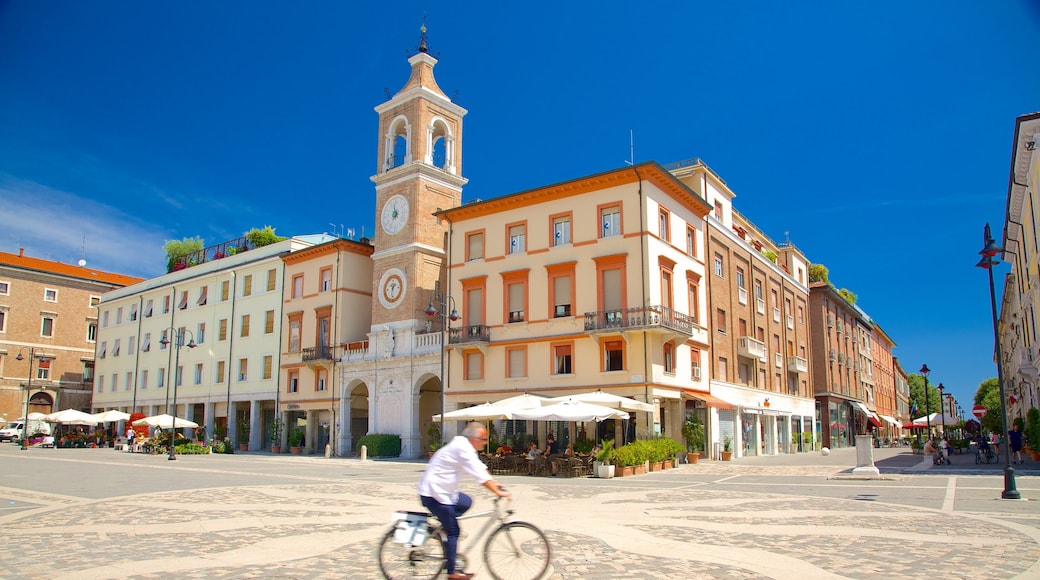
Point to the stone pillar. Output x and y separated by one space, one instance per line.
254 425
865 458
207 411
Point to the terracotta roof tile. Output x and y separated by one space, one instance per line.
40 265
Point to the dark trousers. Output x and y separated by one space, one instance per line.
448 514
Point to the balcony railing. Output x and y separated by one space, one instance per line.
760 305
797 364
208 254
642 317
751 348
317 353
471 333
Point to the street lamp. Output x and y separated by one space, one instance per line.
927 408
989 259
179 338
28 393
942 407
444 300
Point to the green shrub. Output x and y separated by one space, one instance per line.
381 445
191 449
693 433
582 446
606 452
625 456
1032 432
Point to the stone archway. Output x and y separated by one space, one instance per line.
429 404
355 416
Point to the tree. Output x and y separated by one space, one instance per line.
934 404
262 237
818 273
848 295
988 395
178 250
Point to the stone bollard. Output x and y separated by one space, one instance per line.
865 458
328 450
364 453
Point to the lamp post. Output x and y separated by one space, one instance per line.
445 301
942 408
177 344
989 259
927 408
28 393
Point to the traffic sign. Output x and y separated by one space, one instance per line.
979 411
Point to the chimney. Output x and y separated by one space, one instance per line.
21 252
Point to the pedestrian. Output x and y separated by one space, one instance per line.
994 442
1015 441
552 454
130 435
439 487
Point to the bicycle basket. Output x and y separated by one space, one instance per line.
409 527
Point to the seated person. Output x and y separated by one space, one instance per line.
552 453
533 452
569 451
929 448
944 449
504 449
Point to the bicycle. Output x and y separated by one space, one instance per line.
985 455
414 546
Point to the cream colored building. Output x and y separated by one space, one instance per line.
594 283
229 306
1020 304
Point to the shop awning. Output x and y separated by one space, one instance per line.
874 420
891 420
708 399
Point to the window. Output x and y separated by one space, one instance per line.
475 246
662 226
144 379
740 280
669 358
47 326
119 315
801 315
294 382
695 365
178 377
742 327
718 211
719 266
103 350
244 326
268 362
691 241
517 239
560 286
160 378
723 368
130 344
224 290
148 308
561 231
720 320
326 279
243 369
269 322
320 380
133 313
44 370
247 285
5 288
181 304
114 383
221 368
294 334
91 328
203 296
562 359
101 384
104 319
272 279
613 356
222 330
50 295
474 366
165 307
610 221
693 300
516 296
198 374
297 286
516 362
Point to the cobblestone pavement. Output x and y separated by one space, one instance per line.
104 514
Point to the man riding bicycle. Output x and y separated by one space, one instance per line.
439 486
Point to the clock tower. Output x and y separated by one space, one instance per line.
418 173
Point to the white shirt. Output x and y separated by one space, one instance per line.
441 478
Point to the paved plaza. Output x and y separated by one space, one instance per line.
99 513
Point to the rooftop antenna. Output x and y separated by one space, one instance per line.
787 235
631 149
83 256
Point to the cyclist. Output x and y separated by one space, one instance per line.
439 486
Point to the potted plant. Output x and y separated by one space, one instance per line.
243 434
433 437
295 441
624 461
274 431
604 464
727 448
693 434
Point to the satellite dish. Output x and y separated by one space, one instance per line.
82 262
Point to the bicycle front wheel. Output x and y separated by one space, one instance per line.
398 561
517 551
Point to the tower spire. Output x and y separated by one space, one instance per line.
422 36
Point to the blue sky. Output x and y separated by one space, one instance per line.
875 135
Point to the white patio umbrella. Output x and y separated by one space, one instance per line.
482 412
570 411
937 419
599 397
523 401
71 417
110 416
165 421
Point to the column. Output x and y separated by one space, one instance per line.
254 425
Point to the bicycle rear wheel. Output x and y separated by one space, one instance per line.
517 551
407 561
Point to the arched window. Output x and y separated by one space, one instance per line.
440 146
398 144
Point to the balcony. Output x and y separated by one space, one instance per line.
645 318
776 314
751 348
760 305
469 334
797 364
742 295
779 360
317 353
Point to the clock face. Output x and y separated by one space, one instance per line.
391 288
394 214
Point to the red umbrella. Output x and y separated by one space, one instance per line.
914 426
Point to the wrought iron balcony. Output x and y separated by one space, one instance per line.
317 353
649 317
471 333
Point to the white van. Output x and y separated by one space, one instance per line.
13 431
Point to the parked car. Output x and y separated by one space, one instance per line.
13 432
